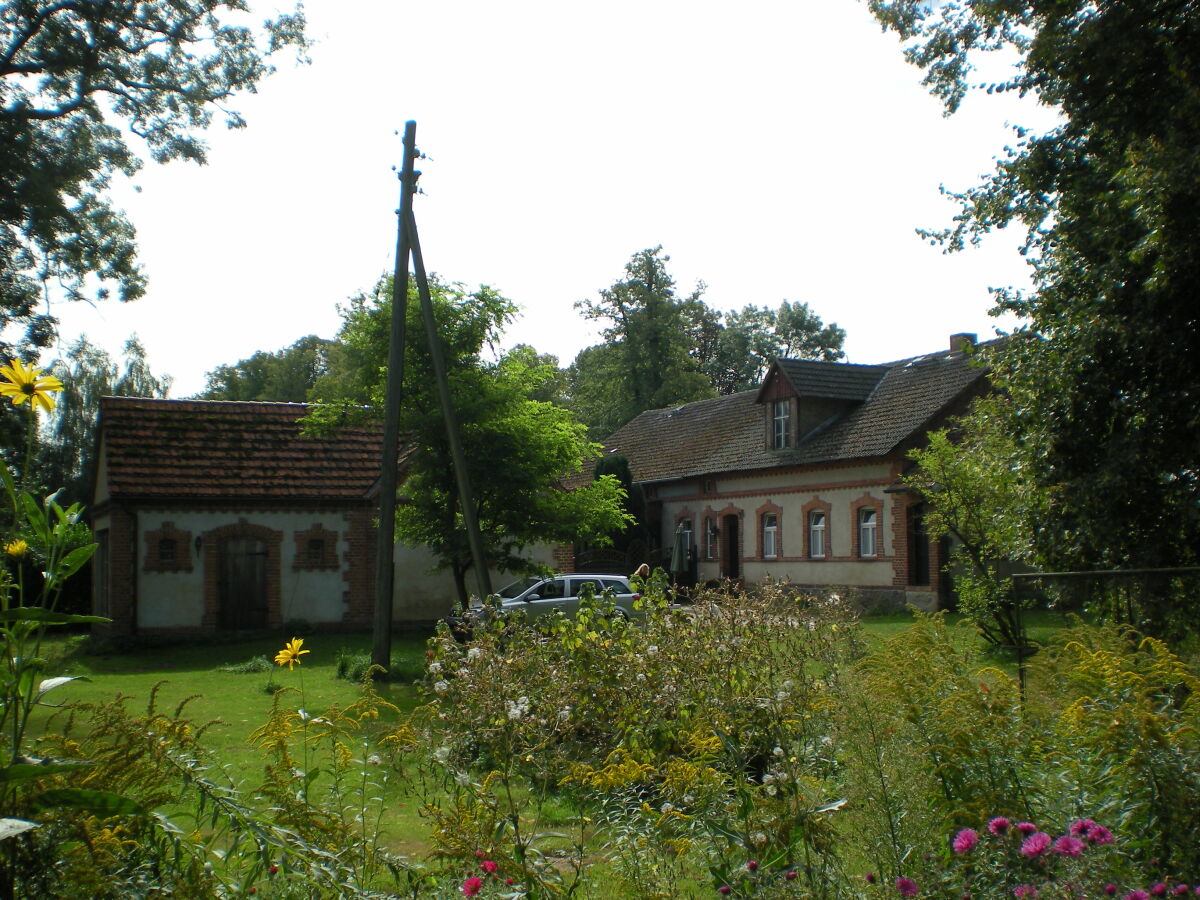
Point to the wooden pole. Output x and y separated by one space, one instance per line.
381 649
465 495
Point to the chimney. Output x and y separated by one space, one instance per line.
960 342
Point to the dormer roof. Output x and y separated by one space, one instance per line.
823 380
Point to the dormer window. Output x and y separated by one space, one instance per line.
781 420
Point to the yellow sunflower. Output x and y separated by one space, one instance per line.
30 384
16 549
290 655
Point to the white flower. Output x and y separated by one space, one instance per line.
772 790
435 668
473 654
374 760
778 751
667 807
440 687
564 714
517 708
758 838
652 649
768 778
441 754
463 779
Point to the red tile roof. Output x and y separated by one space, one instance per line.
203 449
899 401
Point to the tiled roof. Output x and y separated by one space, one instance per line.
728 434
834 381
198 449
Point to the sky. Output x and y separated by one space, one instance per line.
776 150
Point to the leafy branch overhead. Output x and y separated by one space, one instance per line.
75 78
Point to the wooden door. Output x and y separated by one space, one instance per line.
243 583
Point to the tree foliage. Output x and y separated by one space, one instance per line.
88 373
285 376
75 78
662 350
520 450
1104 394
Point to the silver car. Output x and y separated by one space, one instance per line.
538 596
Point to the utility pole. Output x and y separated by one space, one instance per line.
381 650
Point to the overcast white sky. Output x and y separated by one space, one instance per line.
777 150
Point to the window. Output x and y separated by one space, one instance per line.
782 421
770 532
816 534
166 551
710 539
685 526
867 526
315 552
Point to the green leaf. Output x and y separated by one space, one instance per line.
35 516
13 827
47 616
49 684
73 561
33 771
98 803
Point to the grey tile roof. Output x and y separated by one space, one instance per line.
728 434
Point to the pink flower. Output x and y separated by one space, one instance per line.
1180 889
1110 889
1025 827
724 889
790 875
752 865
1082 827
1025 890
1137 895
488 866
906 886
1098 834
472 886
869 878
1035 844
1068 846
1159 890
964 841
998 825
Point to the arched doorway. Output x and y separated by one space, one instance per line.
242 583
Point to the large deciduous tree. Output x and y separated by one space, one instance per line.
1105 396
521 450
76 78
285 376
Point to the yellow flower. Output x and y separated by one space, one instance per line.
16 549
30 384
290 655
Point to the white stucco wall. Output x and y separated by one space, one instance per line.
176 599
424 595
840 487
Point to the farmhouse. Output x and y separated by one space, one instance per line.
800 479
214 515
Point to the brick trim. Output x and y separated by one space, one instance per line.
817 505
769 508
866 501
316 549
212 576
175 543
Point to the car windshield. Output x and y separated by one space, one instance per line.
508 592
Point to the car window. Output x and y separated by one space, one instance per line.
618 586
551 589
577 587
517 588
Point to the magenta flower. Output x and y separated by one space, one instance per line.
790 875
1180 889
1035 844
869 878
906 886
1159 890
472 886
1024 891
1098 834
1068 846
488 866
1137 895
724 889
1025 827
1081 827
1110 889
752 865
964 841
998 825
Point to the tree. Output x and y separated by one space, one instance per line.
1104 393
653 366
285 376
88 373
520 451
75 77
